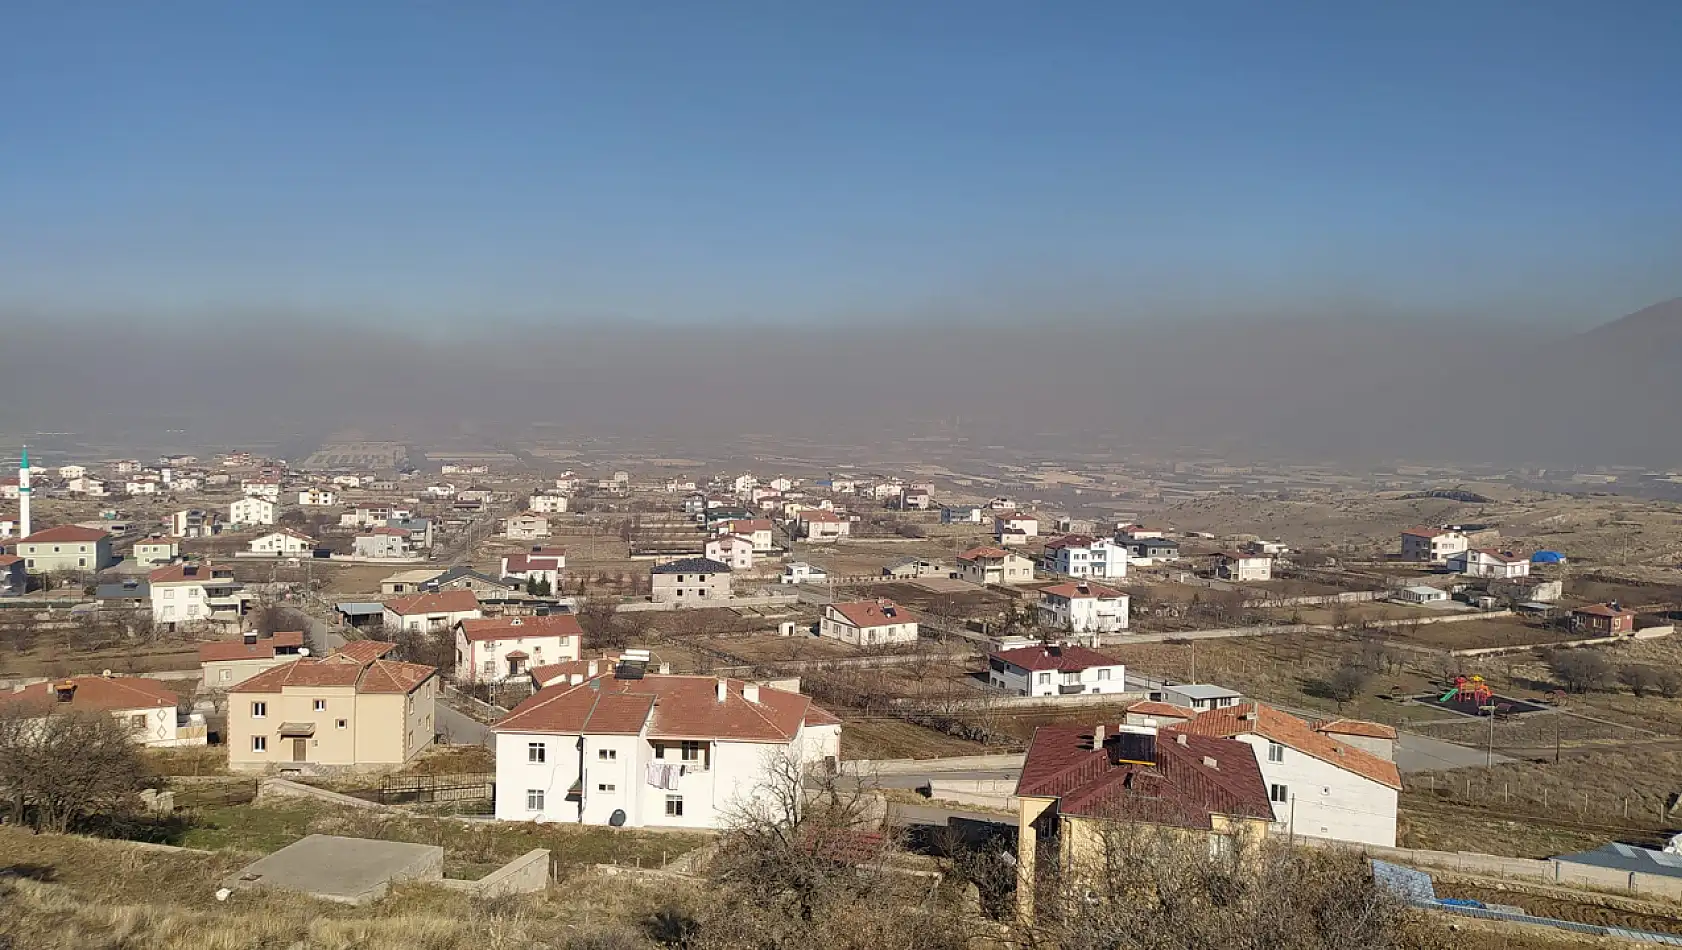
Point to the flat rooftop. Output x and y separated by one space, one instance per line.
349 870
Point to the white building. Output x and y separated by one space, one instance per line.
431 612
1051 670
318 497
492 650
72 472
347 481
1200 696
1078 555
657 750
383 543
815 524
547 504
155 552
526 527
1083 607
138 487
1321 785
261 488
1432 545
252 510
1420 594
962 514
758 531
194 595
540 564
147 707
284 542
735 550
994 566
868 623
1242 567
1015 527
1501 565
800 572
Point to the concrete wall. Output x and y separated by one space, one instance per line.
281 788
524 875
954 763
1544 871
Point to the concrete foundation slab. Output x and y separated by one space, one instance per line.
349 870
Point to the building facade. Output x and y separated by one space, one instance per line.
66 548
868 623
691 582
1083 608
493 650
1050 670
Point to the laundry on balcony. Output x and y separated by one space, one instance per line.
665 776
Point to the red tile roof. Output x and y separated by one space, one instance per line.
551 673
394 532
64 533
1070 541
365 651
525 563
1148 707
7 560
97 694
513 628
984 554
1425 532
750 525
1291 732
671 707
340 669
871 613
189 574
1603 610
819 515
1066 659
1182 788
1081 591
1502 557
264 649
1356 727
442 602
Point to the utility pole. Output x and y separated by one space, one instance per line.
1489 759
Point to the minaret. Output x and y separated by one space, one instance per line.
23 495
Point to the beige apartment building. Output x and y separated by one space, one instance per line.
351 710
227 663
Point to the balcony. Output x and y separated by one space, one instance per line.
1071 689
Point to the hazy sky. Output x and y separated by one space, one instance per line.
420 165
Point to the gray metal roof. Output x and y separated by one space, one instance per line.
1203 691
359 608
692 565
1625 857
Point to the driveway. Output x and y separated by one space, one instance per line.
461 729
1416 753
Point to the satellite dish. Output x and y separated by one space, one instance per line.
303 651
617 819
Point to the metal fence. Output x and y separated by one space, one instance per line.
435 789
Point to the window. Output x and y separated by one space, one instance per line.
1275 752
534 799
226 675
1103 674
1045 679
259 743
674 806
1278 793
537 752
610 755
321 705
489 667
606 787
659 750
691 751
259 710
342 723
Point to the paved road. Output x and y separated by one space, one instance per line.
904 814
919 779
1415 753
462 729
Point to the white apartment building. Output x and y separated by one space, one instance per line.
1083 607
196 595
1432 545
527 527
1078 555
868 623
491 650
318 497
735 550
815 524
756 530
251 510
1053 670
540 563
261 488
547 504
1321 785
652 751
438 611
1015 527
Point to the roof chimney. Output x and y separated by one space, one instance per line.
1180 737
575 679
1098 736
592 667
723 689
750 692
250 637
1210 762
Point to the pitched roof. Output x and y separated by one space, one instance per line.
365 651
873 613
1291 732
751 525
7 560
340 669
1356 727
189 573
1423 532
1066 659
225 650
1150 707
1081 590
97 694
984 553
670 706
1503 557
1242 556
64 533
819 515
524 563
1188 782
513 628
441 602
1070 541
1603 610
692 565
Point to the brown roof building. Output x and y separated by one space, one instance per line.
146 706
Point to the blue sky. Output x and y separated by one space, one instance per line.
417 164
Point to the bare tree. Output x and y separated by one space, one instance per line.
1345 683
1669 683
1640 679
1580 671
62 767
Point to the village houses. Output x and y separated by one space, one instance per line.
691 582
282 543
432 611
493 650
868 623
1242 567
986 565
189 596
815 525
636 749
1014 527
252 511
1432 545
155 552
149 709
318 497
383 543
227 663
735 550
1083 607
1078 555
66 548
351 710
547 504
1502 565
1603 620
758 531
266 488
542 564
1055 670
525 527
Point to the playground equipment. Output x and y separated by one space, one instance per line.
1469 689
